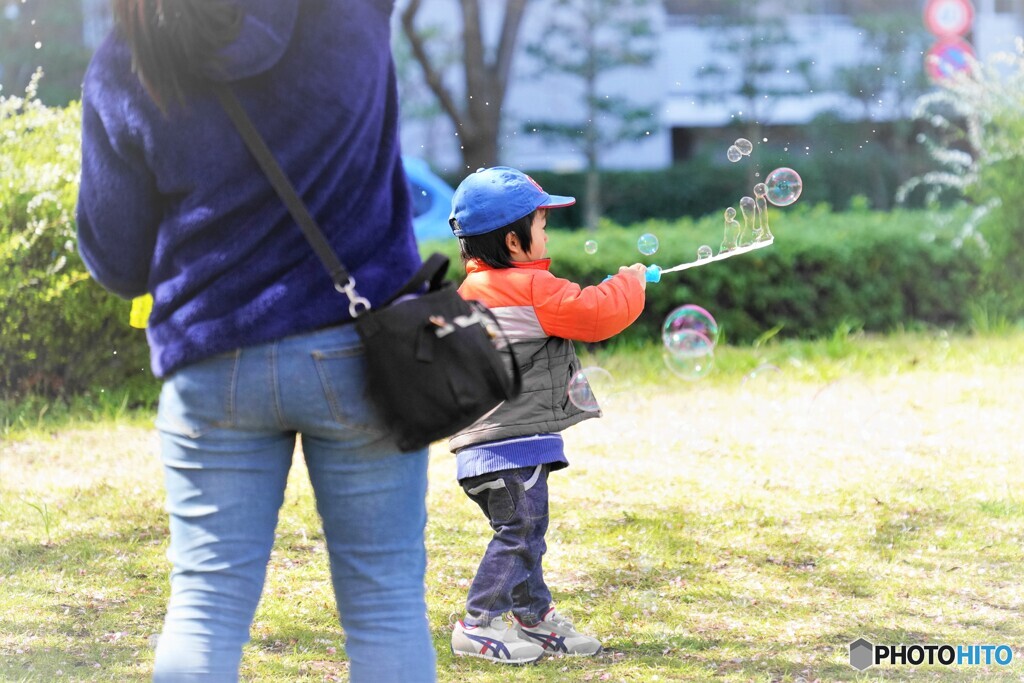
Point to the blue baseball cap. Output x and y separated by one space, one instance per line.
493 197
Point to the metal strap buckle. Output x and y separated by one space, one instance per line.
357 305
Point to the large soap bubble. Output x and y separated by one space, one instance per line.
647 244
589 384
784 186
689 318
689 354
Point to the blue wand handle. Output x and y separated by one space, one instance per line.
653 274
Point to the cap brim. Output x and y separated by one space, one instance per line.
557 202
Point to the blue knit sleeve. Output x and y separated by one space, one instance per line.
118 208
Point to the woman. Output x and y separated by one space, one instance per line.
247 332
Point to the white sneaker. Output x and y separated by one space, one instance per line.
556 634
495 642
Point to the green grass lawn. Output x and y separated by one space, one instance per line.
744 527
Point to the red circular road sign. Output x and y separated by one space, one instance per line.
946 18
948 57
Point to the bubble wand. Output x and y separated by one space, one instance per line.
783 187
710 259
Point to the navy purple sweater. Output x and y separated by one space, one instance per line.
177 206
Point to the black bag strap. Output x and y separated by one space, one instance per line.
431 273
343 281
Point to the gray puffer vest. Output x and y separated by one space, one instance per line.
544 406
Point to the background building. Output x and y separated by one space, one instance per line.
721 69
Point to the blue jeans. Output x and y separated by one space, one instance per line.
510 577
228 427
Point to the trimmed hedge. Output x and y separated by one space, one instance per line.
878 271
60 332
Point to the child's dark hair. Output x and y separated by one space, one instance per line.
490 247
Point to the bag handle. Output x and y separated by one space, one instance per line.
343 281
432 273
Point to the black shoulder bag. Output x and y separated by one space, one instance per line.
433 359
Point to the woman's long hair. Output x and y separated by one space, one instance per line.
175 43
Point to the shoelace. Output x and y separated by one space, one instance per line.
558 619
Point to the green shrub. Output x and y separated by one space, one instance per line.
60 333
876 271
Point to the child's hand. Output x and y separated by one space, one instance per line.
637 270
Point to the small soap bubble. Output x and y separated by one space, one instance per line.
763 374
744 145
733 154
784 186
647 244
703 252
689 355
689 318
588 385
730 213
590 246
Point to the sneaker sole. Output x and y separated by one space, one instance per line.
495 660
575 654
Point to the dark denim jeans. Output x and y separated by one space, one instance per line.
510 578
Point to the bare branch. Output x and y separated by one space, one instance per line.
433 78
514 11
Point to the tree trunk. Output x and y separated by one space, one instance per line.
481 150
592 203
592 200
477 120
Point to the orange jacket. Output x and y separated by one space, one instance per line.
530 302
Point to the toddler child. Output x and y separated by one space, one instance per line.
499 215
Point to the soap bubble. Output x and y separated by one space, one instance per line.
744 146
647 244
764 374
590 246
587 385
733 154
784 186
703 252
689 318
689 354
